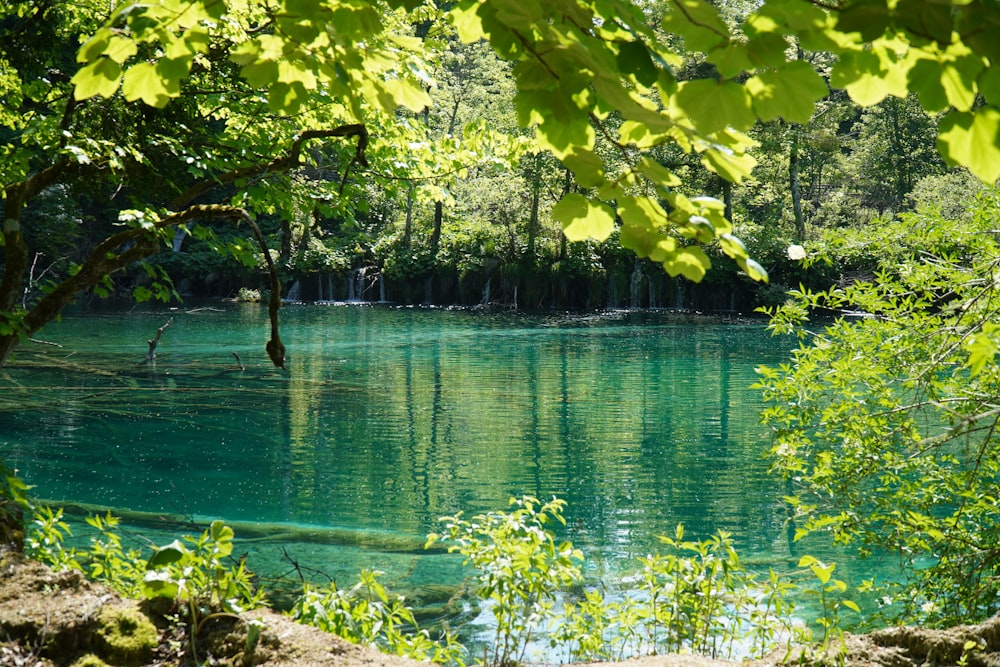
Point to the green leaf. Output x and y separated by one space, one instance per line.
929 20
790 92
767 49
563 137
587 167
99 78
689 261
143 81
973 141
633 58
518 14
958 78
753 270
698 22
989 86
713 105
924 79
405 94
868 17
165 555
869 76
159 585
584 219
96 46
982 347
657 173
730 165
120 49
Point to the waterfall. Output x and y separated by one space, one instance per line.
178 241
360 284
294 292
486 292
635 299
612 291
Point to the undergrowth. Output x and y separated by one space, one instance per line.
696 597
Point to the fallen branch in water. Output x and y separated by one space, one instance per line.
239 362
44 342
151 355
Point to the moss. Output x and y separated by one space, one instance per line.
125 636
89 660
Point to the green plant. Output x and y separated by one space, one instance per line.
248 295
110 562
13 504
885 419
593 628
45 540
690 591
828 592
365 614
200 579
520 568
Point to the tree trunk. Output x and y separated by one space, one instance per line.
536 195
793 180
435 239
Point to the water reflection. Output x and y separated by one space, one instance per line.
388 419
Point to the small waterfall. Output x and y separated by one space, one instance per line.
360 284
294 292
486 292
612 292
179 235
635 285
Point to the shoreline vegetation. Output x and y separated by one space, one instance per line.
190 603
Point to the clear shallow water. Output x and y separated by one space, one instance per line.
387 419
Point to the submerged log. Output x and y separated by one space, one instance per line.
254 532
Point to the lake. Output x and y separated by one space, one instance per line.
387 419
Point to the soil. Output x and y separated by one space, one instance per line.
54 619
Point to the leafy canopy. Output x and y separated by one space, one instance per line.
885 422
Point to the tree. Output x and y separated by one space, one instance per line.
160 163
885 421
253 80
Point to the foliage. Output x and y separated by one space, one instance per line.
885 420
656 113
520 568
197 577
699 597
364 614
13 504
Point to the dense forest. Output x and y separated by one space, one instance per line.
804 158
445 198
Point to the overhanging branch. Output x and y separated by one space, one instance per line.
286 162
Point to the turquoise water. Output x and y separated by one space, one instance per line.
387 419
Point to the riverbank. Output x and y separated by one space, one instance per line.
54 619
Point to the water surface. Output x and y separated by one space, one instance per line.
387 419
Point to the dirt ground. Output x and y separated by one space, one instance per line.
60 619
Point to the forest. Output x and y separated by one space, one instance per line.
830 164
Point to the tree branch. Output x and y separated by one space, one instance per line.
140 243
284 163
